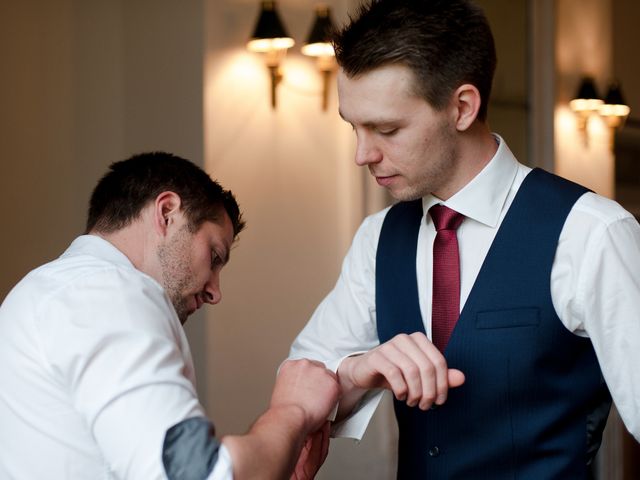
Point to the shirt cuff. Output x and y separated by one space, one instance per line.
356 424
333 365
223 470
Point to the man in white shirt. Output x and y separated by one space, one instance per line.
97 379
542 274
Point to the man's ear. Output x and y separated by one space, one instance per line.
467 102
166 211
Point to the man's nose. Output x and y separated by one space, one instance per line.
212 293
366 151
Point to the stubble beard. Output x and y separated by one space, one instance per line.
176 273
437 173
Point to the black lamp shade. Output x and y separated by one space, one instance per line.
587 89
614 95
269 24
322 30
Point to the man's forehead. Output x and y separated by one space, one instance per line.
221 229
376 97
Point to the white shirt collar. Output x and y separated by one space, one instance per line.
97 247
483 198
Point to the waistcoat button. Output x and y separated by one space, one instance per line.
434 452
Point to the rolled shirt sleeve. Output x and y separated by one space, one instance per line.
119 350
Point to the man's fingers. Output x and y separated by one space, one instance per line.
412 368
389 363
424 367
456 378
326 437
309 385
439 382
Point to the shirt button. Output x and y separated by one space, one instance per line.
434 452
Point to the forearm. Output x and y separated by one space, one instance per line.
271 447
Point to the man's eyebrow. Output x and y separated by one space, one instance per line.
375 122
226 255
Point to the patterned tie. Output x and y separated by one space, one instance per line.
446 274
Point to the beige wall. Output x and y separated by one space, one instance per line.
85 83
36 135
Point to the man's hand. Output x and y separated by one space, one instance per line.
408 365
308 385
313 454
286 436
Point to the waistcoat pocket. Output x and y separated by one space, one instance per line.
510 318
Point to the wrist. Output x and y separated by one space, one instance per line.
351 392
345 374
292 414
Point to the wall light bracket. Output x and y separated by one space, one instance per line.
271 39
319 45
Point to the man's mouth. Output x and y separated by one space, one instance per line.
385 181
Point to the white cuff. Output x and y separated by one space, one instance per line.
356 423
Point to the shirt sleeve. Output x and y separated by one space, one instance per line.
345 322
223 469
596 291
610 293
118 349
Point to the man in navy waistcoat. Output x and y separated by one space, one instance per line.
504 330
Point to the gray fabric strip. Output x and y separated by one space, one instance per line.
190 449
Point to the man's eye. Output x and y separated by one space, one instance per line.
215 259
387 132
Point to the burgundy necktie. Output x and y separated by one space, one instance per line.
446 274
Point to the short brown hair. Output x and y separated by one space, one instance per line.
131 184
445 43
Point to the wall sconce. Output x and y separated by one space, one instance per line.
586 102
319 45
613 109
271 38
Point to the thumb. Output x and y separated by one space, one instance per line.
455 377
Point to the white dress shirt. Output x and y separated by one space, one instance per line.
95 367
595 283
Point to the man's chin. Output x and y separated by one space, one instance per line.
404 195
184 309
182 313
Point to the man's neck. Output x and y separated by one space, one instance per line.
134 244
476 148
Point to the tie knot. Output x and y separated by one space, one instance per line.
444 218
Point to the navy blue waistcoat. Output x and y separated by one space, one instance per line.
534 403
